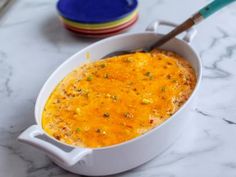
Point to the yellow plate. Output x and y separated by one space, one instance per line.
98 26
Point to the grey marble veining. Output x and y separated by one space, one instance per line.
33 44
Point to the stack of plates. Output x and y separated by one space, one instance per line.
97 18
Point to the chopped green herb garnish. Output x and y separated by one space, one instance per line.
128 115
78 130
151 77
106 114
163 89
146 101
114 97
83 92
147 73
89 78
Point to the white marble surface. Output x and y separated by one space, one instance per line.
33 44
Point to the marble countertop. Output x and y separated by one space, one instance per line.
33 44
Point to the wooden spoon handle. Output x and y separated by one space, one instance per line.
179 29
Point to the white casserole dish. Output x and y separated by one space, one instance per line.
127 155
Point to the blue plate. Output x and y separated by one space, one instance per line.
95 11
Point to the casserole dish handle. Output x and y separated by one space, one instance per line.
29 136
190 33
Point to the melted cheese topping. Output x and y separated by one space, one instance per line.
116 99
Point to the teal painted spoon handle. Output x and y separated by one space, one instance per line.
196 18
214 7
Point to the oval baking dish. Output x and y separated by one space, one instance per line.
127 155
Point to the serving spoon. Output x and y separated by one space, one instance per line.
190 22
